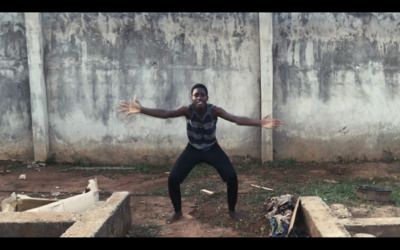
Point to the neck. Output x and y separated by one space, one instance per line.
201 111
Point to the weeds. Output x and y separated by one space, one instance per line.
144 231
285 164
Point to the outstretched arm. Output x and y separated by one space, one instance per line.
134 107
266 122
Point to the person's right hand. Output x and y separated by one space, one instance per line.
129 108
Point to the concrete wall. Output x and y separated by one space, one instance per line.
336 85
332 78
15 109
94 60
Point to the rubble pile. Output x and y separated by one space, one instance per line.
280 211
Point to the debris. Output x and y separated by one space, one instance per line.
22 177
265 188
294 214
280 212
279 225
330 181
373 193
55 193
35 165
207 192
278 205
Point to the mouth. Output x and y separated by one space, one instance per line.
200 103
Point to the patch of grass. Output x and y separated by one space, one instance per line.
17 186
284 164
256 197
341 192
144 231
395 196
16 167
247 165
34 194
162 191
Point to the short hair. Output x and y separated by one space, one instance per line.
199 85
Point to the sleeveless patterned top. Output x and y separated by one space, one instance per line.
201 132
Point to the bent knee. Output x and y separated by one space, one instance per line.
172 179
232 178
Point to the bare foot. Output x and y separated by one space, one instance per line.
235 216
174 217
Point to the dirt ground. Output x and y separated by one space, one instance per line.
204 216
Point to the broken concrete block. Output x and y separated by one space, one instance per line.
20 203
77 203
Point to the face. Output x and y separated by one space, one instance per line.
199 98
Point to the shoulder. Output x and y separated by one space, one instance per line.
185 110
216 111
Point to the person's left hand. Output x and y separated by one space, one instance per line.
267 122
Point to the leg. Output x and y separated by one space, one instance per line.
184 164
232 190
176 216
218 159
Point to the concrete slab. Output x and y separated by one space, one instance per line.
379 227
48 224
319 218
322 221
110 218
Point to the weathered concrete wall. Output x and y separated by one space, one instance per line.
94 60
336 85
335 82
15 109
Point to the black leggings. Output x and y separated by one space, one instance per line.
188 159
